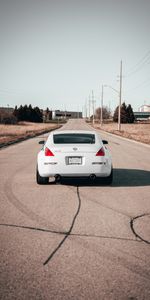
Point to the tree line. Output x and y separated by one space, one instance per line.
28 113
25 113
126 113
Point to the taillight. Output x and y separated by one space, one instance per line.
101 152
48 152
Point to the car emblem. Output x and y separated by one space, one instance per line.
75 149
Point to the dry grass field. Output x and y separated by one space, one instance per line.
12 133
138 131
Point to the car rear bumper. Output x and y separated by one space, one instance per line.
99 170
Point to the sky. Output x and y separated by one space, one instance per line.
54 53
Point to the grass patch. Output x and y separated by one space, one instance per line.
23 130
139 132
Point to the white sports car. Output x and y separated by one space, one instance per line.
69 153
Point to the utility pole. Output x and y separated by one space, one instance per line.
78 112
65 113
120 96
83 111
89 107
86 109
101 115
93 102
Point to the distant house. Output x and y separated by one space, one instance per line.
59 114
142 115
144 108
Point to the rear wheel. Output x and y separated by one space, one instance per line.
40 179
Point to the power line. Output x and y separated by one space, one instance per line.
145 57
145 60
144 83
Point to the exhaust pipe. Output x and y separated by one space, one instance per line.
92 176
57 177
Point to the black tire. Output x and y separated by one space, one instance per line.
40 179
109 179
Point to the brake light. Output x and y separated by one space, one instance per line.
101 152
48 152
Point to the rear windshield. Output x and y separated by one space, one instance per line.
74 138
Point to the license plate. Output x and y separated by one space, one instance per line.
75 160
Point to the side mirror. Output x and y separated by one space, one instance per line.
41 142
105 142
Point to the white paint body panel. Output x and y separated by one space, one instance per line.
49 166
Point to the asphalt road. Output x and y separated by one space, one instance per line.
75 240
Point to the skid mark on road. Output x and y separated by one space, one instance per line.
21 206
99 203
34 217
68 232
65 233
132 219
133 229
24 209
34 228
